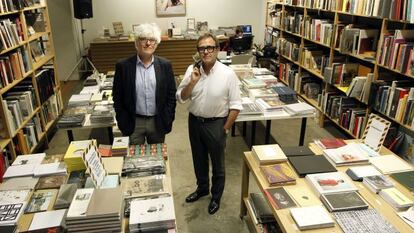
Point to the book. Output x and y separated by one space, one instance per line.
330 143
19 183
377 183
29 159
145 186
357 173
388 164
11 213
302 196
41 200
80 203
330 182
301 108
311 164
406 179
311 217
408 216
279 198
343 201
278 174
51 182
47 220
346 155
291 151
266 154
19 170
261 208
65 196
396 199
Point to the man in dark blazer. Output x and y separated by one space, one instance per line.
144 91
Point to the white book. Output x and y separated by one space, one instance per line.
266 154
311 217
363 171
330 182
19 170
29 159
120 143
48 219
388 164
13 196
301 108
346 155
408 216
80 203
152 210
50 169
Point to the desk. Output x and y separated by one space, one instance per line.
104 54
268 117
282 216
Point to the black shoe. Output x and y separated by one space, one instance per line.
195 196
213 206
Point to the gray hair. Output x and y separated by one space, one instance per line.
149 30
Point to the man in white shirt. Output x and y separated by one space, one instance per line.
215 102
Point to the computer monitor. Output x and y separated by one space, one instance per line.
247 29
240 45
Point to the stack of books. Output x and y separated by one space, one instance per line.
68 121
301 108
349 154
49 221
250 109
152 215
269 104
12 204
74 153
343 201
253 83
120 146
88 213
146 186
262 93
286 94
396 199
311 217
330 182
137 166
357 173
377 183
79 100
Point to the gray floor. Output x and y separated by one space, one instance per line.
193 218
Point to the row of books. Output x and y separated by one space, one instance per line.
8 6
51 108
20 105
397 51
11 33
45 79
29 136
13 67
396 10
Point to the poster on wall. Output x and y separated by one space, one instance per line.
170 7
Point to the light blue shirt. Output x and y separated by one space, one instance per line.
145 84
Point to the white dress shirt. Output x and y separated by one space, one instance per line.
214 94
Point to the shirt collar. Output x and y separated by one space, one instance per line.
212 68
141 63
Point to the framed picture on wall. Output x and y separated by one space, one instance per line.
170 7
134 27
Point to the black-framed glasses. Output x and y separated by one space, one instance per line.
145 40
209 49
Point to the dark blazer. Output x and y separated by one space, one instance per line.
125 97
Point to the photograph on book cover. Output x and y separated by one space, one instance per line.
170 7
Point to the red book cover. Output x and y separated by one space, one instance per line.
332 143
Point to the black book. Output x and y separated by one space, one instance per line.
304 165
261 208
406 179
291 151
8 229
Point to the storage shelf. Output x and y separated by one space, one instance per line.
34 7
38 35
43 60
4 143
26 120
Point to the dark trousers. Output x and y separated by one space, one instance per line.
146 131
207 137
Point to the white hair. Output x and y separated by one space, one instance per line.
148 30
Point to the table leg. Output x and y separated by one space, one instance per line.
233 130
110 134
244 128
302 131
244 188
267 132
253 135
70 135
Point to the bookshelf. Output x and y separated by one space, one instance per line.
336 55
30 95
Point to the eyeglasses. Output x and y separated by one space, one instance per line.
209 49
144 40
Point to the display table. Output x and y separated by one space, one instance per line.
283 216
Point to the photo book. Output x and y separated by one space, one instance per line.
331 182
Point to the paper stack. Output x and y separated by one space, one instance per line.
120 146
98 210
152 215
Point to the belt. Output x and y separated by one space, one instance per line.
203 119
143 116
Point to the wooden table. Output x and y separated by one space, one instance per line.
283 217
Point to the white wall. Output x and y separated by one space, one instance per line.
216 12
66 47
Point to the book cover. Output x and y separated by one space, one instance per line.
296 150
41 200
279 198
378 182
80 203
331 182
266 154
330 143
311 217
396 198
51 182
261 208
29 159
406 179
344 201
278 174
311 164
145 186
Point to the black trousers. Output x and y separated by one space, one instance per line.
208 138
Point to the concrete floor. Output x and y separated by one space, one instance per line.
193 217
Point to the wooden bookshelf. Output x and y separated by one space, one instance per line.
25 36
279 14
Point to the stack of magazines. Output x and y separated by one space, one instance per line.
67 121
